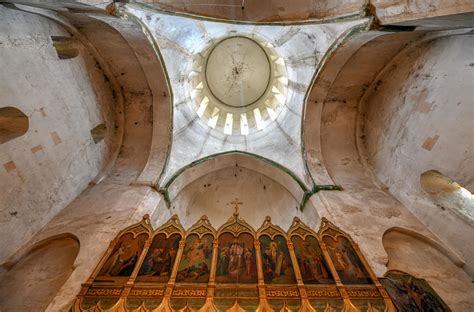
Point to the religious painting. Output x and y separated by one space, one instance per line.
345 260
313 267
410 294
159 260
236 262
276 262
124 256
196 261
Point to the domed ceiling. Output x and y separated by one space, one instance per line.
239 86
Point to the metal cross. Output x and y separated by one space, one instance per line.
236 202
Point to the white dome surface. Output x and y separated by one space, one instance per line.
238 71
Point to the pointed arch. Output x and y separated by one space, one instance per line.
436 245
273 170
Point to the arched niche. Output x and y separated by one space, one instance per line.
416 117
211 185
350 145
32 282
343 94
333 101
414 254
13 123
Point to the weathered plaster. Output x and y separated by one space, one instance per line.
212 194
64 99
426 93
397 11
413 12
414 256
96 215
348 63
365 209
47 266
180 39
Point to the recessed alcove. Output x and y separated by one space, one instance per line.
13 123
31 283
208 186
418 256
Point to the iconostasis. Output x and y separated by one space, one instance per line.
233 268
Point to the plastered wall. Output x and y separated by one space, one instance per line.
45 169
260 196
419 118
365 208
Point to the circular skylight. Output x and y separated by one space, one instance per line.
237 71
238 85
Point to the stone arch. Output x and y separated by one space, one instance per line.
267 167
419 256
39 274
253 177
436 245
347 78
334 99
13 123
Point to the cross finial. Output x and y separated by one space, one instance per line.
236 202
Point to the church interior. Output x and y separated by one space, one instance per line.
237 155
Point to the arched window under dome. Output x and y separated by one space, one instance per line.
447 193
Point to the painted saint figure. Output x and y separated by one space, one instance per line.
348 265
196 261
123 258
276 261
236 259
159 260
313 267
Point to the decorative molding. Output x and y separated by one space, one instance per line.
268 228
189 293
171 227
104 292
323 292
282 293
143 292
363 293
300 229
235 225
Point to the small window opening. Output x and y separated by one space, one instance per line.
65 47
13 124
448 194
98 133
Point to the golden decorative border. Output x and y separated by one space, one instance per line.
235 225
